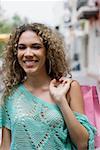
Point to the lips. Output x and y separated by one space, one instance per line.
30 63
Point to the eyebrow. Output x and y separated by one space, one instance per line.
31 44
37 44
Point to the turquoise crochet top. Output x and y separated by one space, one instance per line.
38 125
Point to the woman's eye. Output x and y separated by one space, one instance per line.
36 46
33 46
21 47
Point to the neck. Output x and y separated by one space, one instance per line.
37 81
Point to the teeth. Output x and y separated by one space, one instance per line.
30 61
36 60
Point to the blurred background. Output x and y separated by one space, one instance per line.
77 20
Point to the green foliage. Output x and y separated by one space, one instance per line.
16 20
6 26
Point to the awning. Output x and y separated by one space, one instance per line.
86 12
4 37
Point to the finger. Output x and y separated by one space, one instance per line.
62 79
70 80
65 80
54 83
67 86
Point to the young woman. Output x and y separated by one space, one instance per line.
41 108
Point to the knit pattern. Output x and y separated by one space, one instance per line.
38 125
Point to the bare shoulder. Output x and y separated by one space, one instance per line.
76 98
75 84
75 88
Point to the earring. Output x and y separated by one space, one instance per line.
14 63
49 67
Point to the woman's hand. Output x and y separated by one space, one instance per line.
59 89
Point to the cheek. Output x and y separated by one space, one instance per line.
19 58
44 58
19 55
42 55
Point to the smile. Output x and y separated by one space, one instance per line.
30 60
30 63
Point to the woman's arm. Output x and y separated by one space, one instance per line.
6 139
78 132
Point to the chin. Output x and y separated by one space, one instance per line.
30 71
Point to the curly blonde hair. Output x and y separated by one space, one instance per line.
56 60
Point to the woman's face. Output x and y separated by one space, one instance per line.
31 53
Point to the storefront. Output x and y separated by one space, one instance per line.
92 15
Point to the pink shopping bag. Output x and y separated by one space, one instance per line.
92 109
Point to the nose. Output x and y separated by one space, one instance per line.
28 52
